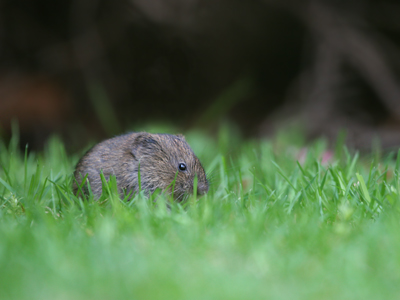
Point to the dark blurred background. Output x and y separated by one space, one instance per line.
96 68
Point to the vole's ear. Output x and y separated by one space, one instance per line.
181 136
144 144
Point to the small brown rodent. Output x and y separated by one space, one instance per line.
161 157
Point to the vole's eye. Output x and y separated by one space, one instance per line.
182 167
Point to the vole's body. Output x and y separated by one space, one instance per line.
159 157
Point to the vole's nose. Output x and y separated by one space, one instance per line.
202 189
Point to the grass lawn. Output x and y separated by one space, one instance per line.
282 220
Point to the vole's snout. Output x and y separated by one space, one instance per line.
202 189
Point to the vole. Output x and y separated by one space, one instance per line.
160 157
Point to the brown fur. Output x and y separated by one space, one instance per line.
158 155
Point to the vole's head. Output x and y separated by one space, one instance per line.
162 157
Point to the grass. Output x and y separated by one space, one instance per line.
279 222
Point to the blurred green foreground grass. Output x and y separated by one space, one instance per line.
282 220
